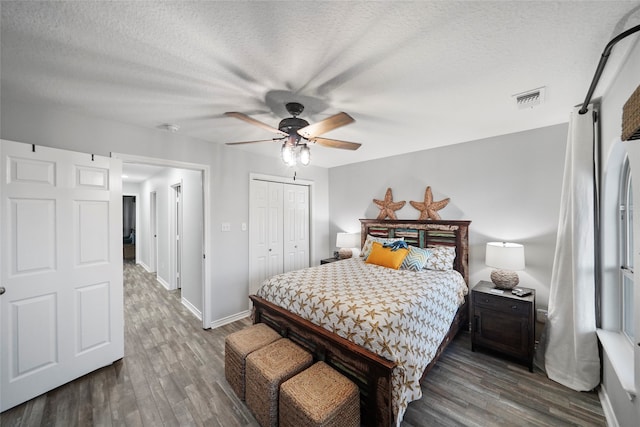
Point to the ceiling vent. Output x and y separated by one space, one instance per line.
530 99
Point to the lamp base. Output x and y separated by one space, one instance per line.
505 279
345 253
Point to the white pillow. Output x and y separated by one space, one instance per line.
441 258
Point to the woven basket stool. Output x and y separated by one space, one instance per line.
319 397
237 346
267 368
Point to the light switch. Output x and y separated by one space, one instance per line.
226 226
244 226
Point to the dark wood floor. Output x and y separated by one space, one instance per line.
173 375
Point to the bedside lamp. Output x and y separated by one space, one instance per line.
349 244
505 257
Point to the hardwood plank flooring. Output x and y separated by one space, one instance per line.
173 375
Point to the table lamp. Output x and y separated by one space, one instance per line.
505 257
348 244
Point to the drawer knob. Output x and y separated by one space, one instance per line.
514 307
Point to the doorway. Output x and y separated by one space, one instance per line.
129 228
158 233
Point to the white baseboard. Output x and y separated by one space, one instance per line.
145 266
609 415
163 283
230 319
192 308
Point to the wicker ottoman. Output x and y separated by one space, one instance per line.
267 368
236 348
319 397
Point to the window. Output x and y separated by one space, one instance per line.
626 251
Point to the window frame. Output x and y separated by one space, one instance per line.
626 244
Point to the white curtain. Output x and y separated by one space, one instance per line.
571 356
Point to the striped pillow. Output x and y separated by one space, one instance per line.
416 259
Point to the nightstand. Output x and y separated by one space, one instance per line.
328 260
503 322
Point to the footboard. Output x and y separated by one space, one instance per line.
370 372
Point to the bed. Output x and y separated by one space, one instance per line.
383 368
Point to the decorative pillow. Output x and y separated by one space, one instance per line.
441 258
385 257
366 249
416 259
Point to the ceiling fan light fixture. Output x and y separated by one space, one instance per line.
295 133
305 155
288 154
293 139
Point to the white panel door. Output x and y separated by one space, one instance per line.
274 229
61 312
296 227
266 248
258 235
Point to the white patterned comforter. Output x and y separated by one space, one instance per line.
401 315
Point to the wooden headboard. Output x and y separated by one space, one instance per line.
423 233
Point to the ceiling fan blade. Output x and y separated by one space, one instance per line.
334 143
254 122
324 126
251 142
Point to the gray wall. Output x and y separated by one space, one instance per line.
508 186
52 126
626 411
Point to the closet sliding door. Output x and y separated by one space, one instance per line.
296 227
278 229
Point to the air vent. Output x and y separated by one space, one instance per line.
530 99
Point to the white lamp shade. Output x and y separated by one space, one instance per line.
348 240
503 255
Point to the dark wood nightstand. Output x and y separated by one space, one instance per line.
503 322
328 260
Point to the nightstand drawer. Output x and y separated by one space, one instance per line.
499 303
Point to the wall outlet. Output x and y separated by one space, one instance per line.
226 226
541 315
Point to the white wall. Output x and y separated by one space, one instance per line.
130 188
626 411
52 126
508 186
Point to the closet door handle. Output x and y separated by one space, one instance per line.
2 290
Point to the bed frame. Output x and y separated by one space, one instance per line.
369 371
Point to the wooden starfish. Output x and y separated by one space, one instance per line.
429 209
388 206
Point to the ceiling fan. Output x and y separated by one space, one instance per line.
295 133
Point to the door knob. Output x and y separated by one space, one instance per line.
2 289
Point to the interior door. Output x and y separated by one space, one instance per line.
258 238
178 234
265 242
153 232
274 229
296 227
61 312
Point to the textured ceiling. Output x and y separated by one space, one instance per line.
414 75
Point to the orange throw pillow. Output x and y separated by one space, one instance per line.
385 257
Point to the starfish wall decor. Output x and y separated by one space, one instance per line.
388 206
429 209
